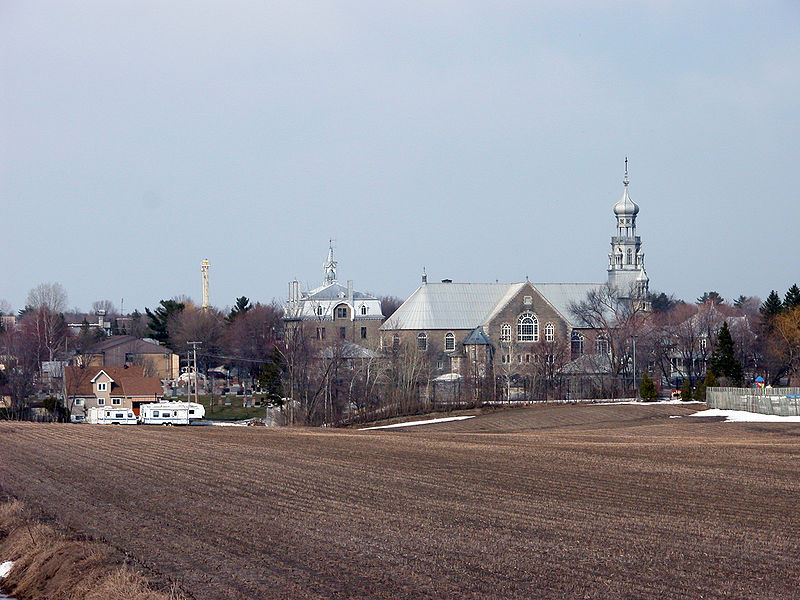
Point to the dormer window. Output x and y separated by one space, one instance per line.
341 312
363 309
319 311
101 386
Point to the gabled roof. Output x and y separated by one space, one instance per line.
133 345
128 381
335 291
562 295
450 305
470 305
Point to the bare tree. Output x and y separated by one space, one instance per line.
21 359
104 305
389 304
45 305
616 320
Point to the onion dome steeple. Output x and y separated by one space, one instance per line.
626 206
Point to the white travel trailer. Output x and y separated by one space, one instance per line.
170 413
104 415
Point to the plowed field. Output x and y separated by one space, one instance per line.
547 502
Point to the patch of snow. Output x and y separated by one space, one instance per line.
741 416
642 403
228 423
675 416
413 423
5 568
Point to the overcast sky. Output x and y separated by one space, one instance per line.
482 140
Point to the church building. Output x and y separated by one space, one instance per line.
495 324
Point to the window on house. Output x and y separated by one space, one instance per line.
601 344
449 342
101 386
528 300
422 341
343 332
395 340
576 343
116 401
630 256
549 332
703 345
320 333
363 309
78 401
440 364
505 333
363 333
527 328
319 311
341 312
474 353
101 401
527 358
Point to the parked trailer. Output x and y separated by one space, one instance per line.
170 413
104 415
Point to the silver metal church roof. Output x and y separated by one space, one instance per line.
470 305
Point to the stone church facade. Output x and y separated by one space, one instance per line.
485 328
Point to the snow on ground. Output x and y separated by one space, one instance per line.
602 403
741 416
5 568
412 423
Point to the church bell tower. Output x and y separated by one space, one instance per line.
626 271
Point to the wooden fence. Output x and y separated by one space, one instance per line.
784 402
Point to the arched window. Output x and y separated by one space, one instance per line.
363 309
395 340
549 332
449 342
577 343
630 256
422 341
319 311
527 328
601 344
505 333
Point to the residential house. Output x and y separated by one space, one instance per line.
120 350
123 386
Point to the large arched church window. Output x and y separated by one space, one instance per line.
527 328
577 343
422 341
505 333
449 342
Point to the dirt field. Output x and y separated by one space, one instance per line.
548 502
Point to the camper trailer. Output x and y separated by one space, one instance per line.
170 413
104 415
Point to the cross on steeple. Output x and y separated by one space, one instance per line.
625 181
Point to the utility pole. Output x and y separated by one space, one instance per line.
634 339
194 346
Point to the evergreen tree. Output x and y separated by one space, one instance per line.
700 390
686 391
723 360
792 298
157 319
242 306
771 306
647 388
270 378
712 297
661 303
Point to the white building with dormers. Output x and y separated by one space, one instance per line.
334 311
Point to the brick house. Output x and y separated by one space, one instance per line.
126 387
121 350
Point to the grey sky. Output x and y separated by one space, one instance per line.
482 140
